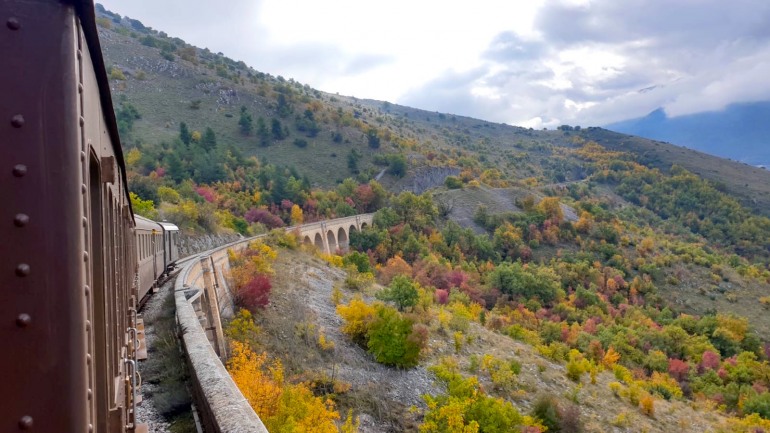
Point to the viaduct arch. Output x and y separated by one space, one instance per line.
332 235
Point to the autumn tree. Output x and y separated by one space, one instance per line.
296 215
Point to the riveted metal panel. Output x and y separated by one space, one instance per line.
42 314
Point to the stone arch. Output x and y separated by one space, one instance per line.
342 239
364 225
332 241
352 229
307 240
319 241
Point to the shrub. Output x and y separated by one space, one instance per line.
647 404
117 74
453 182
759 404
547 411
301 143
391 340
402 291
357 315
255 294
359 260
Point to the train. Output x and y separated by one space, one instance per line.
77 262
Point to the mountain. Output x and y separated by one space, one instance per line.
740 132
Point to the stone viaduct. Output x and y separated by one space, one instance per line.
332 235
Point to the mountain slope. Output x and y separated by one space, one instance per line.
738 132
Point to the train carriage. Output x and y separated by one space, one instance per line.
150 254
68 299
170 244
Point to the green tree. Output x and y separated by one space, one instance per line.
532 281
209 140
245 122
184 133
263 134
402 291
390 339
276 129
145 208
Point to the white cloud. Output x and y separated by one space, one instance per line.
541 63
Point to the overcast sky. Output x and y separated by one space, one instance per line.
531 63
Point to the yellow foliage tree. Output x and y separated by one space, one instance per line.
357 315
296 215
196 136
610 358
551 208
261 389
300 411
133 156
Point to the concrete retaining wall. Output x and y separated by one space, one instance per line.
221 404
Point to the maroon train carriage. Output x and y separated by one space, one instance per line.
68 294
149 247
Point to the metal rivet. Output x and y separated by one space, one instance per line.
80 87
85 222
19 170
13 23
23 320
25 423
83 188
20 220
90 428
89 393
82 156
88 325
88 359
17 121
85 256
22 270
87 290
82 121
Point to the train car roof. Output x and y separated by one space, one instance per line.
146 223
87 14
169 227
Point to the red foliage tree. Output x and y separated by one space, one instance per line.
678 369
710 360
441 296
255 294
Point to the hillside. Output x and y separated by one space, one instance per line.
569 257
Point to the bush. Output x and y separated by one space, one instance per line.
647 405
255 294
357 315
402 292
547 411
391 339
759 404
301 143
453 182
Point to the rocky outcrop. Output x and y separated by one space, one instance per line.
193 244
425 178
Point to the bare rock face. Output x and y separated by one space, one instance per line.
425 178
189 245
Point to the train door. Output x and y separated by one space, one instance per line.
101 382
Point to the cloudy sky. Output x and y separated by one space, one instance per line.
538 63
